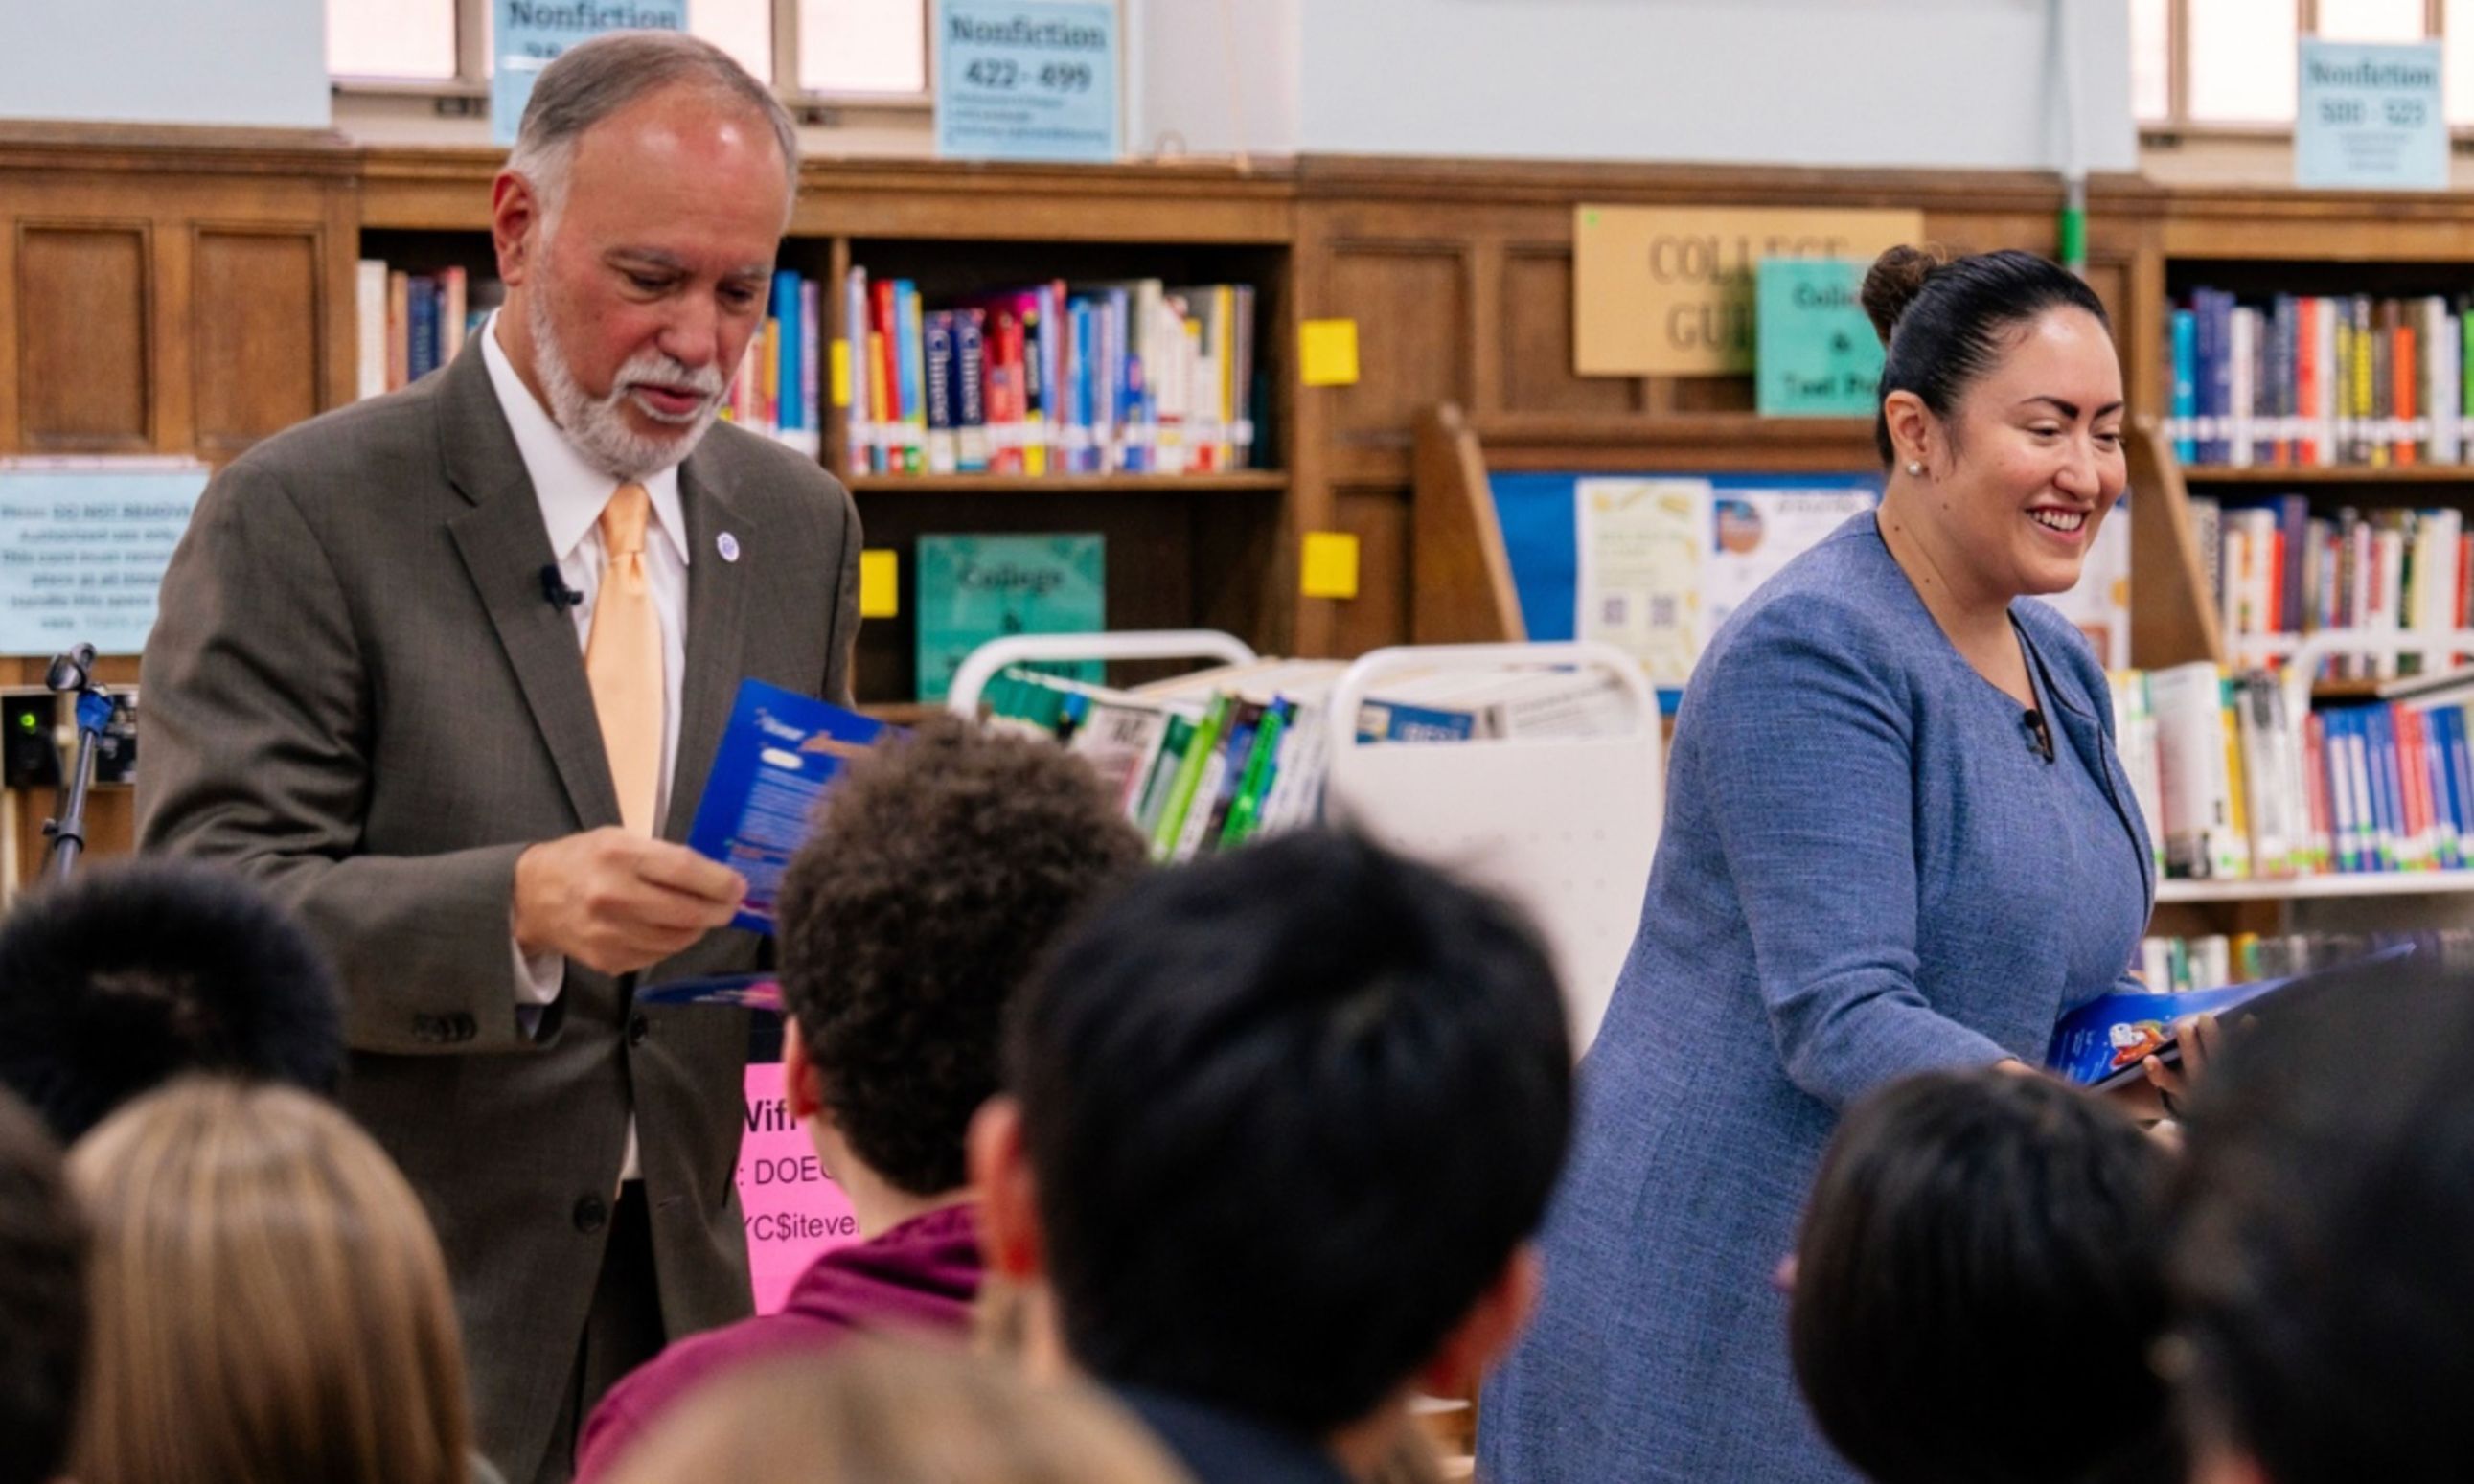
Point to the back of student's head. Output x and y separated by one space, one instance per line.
875 1412
1978 1284
2323 1288
268 1301
1289 1113
132 973
42 1301
942 865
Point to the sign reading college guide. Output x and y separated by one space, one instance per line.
1031 80
2370 117
528 35
1660 291
83 547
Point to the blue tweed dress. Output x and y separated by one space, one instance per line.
1865 871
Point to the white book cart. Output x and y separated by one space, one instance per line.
1564 826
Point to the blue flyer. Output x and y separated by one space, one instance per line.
776 756
1027 80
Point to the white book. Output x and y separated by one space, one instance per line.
2191 769
370 304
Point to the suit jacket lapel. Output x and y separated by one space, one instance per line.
717 599
504 549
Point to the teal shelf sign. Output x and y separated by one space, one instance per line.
1816 352
1027 80
528 33
2370 117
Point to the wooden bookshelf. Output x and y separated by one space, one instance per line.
1249 481
2347 477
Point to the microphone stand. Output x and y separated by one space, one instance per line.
73 674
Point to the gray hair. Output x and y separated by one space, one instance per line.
593 80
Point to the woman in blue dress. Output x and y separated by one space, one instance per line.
1897 837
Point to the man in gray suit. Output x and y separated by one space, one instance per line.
446 669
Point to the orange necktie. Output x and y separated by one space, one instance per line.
623 658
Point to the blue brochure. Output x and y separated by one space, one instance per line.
776 756
2104 1042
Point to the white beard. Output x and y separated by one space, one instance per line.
598 425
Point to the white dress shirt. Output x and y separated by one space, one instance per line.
572 492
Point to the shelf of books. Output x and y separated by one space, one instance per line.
1041 436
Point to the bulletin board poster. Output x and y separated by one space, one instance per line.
1655 562
528 35
795 1213
83 547
1028 80
2370 117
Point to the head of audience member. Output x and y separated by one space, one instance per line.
2000 418
130 974
942 865
1978 1284
636 224
268 1301
1278 1130
877 1413
2322 1292
42 1301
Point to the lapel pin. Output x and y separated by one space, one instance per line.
728 544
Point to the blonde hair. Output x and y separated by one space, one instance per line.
880 1413
268 1301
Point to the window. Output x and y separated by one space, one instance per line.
832 48
2232 63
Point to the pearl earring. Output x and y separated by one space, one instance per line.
1915 469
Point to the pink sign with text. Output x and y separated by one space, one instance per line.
794 1211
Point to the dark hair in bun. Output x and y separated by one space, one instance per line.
1942 318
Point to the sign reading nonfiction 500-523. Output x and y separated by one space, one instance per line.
1669 292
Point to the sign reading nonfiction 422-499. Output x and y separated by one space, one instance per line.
1027 80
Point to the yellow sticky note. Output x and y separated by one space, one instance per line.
1327 353
1330 568
842 373
880 584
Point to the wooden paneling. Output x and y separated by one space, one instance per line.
83 311
1537 337
256 350
1379 517
1411 303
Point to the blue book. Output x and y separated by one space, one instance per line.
970 388
421 328
1083 457
912 375
777 754
2221 375
1390 721
2438 761
794 398
2388 803
936 347
2186 385
2461 779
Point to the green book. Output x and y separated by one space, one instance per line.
972 589
1245 809
1161 780
1189 776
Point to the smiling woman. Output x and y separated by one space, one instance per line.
1897 840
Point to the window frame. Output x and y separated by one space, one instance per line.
2177 126
468 92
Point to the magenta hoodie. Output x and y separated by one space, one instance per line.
921 1274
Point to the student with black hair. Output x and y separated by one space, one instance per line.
1897 839
1978 1285
942 865
129 974
42 1302
1277 1130
2319 1268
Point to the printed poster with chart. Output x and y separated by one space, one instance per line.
1640 547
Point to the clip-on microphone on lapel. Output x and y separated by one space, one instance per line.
555 592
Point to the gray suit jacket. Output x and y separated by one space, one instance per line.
358 694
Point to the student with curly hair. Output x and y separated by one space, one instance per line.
130 974
941 866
